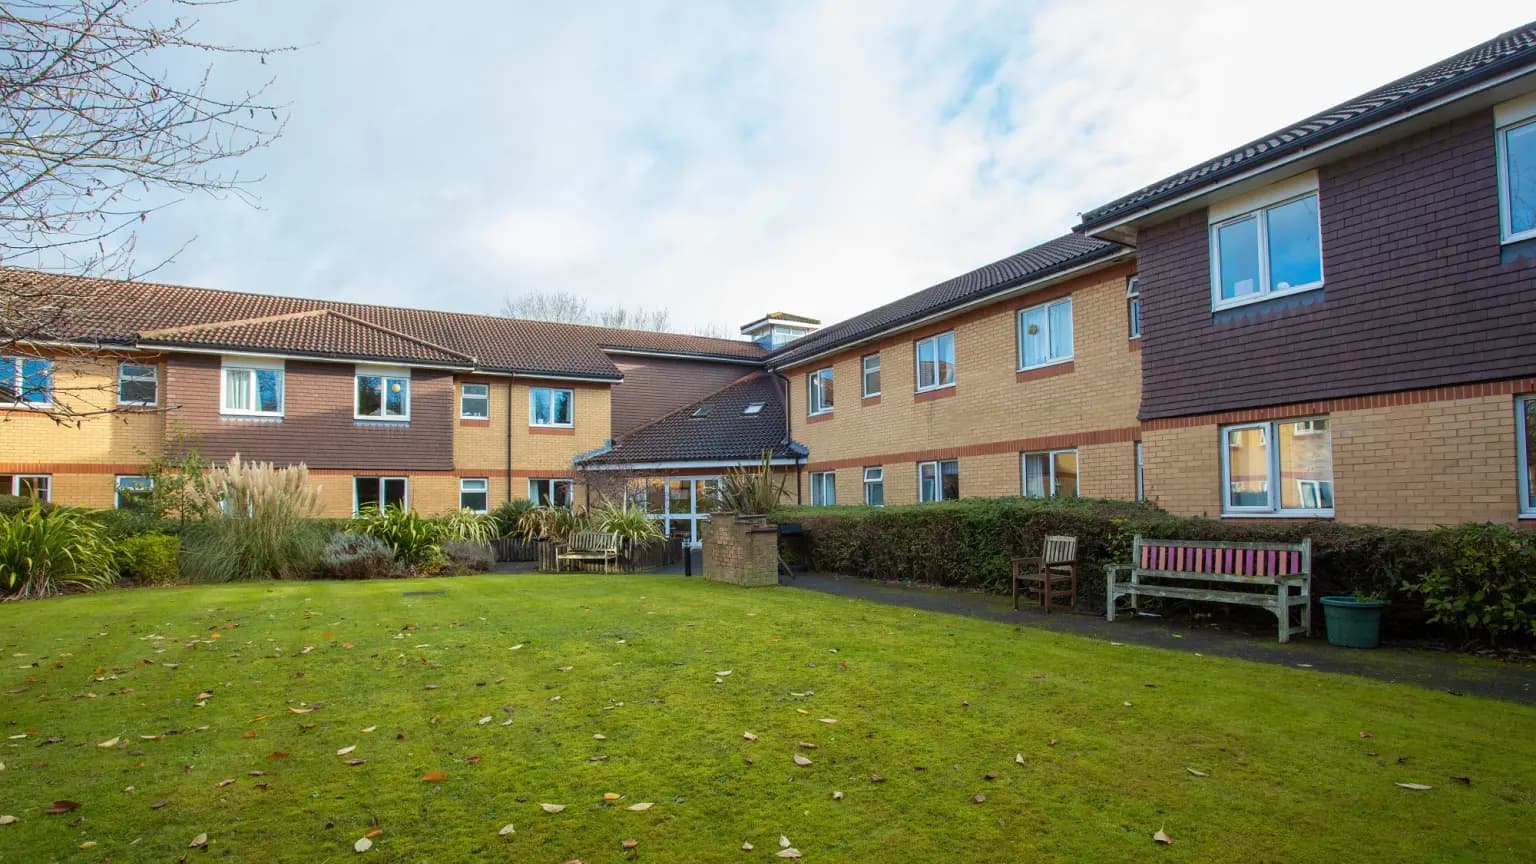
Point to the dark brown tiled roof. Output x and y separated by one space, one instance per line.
1042 261
722 434
1485 61
113 311
305 333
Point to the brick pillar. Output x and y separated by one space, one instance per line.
741 550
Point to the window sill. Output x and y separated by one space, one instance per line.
871 399
934 393
370 419
819 417
1312 515
1050 370
270 418
551 430
474 421
1135 345
1228 305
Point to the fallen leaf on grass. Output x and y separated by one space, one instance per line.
198 842
306 649
746 847
1162 837
837 796
552 808
369 729
807 745
876 778
611 796
363 844
433 777
158 804
8 819
783 842
641 807
356 762
507 829
1465 781
255 773
347 749
1196 773
62 807
629 844
227 781
247 734
204 696
801 760
277 755
599 737
110 742
1417 787
828 720
1366 735
749 736
788 853
472 760
1018 758
300 710
978 798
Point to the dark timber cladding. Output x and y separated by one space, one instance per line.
1417 290
317 427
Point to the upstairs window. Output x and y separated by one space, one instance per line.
823 488
936 362
1133 307
871 367
475 402
383 395
138 384
550 406
818 388
1273 248
1283 468
1045 334
1517 180
26 381
252 389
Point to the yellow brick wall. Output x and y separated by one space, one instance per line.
992 413
1181 469
130 437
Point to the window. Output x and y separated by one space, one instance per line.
1283 468
1272 250
1141 480
679 504
823 488
1525 430
548 406
26 381
474 494
818 389
378 492
871 365
938 481
701 411
1045 334
545 492
753 408
874 487
1517 180
1133 307
1052 474
383 394
137 384
133 493
39 486
936 362
475 402
252 389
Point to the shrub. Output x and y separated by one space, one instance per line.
415 539
149 559
259 527
466 524
10 505
552 523
476 557
132 522
356 556
636 530
509 514
749 490
43 553
1483 583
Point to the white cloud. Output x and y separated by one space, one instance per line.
819 158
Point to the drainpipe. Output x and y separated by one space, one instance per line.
509 440
789 434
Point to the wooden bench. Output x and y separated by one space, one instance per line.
589 546
1277 568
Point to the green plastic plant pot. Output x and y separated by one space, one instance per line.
1353 623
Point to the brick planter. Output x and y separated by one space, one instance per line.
741 550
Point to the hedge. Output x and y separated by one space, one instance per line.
970 544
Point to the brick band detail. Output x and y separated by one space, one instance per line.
1017 445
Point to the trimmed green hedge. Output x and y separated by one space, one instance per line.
971 543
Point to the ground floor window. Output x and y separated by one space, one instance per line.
547 492
823 488
681 504
1050 474
1283 467
1525 436
938 481
133 493
474 494
39 486
1141 481
378 492
874 487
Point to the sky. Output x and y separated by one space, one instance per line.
724 160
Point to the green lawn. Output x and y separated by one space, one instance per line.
933 704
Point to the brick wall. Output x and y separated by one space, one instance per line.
741 552
33 442
993 413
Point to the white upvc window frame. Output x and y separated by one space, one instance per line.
1525 483
1050 477
484 394
1133 307
147 486
152 378
938 362
40 482
938 480
816 401
821 483
405 490
1271 438
533 399
1141 477
549 483
874 475
467 484
1258 211
864 373
1501 148
1045 334
253 365
386 375
19 382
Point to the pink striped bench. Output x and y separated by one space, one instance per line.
1274 576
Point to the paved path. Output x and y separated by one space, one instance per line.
1437 670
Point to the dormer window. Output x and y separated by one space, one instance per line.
1266 244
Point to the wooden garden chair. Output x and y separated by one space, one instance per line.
1043 577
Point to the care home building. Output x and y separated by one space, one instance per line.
1331 322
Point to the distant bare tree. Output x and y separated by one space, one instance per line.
564 307
96 136
713 330
638 318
